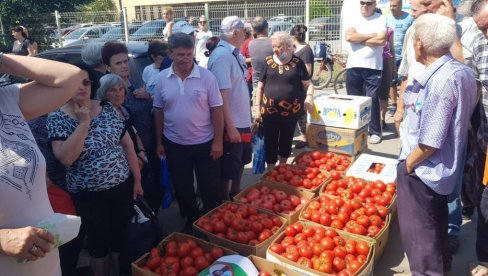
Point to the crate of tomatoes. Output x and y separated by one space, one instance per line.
310 179
350 187
178 254
312 249
281 199
354 216
324 160
240 227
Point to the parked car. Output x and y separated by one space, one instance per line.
151 30
82 35
118 33
282 23
328 28
138 60
281 27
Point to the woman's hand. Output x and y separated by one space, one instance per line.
137 189
141 93
82 114
28 243
308 105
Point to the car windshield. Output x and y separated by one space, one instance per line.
149 28
76 34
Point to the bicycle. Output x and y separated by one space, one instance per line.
340 78
322 77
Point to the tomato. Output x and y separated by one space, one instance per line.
299 237
267 223
335 175
201 263
354 266
292 254
359 230
331 233
276 248
216 252
183 250
317 249
242 238
328 243
231 234
298 227
264 273
363 220
344 272
362 248
391 187
155 252
322 265
290 231
373 230
337 224
351 246
189 271
287 241
264 235
315 217
197 252
361 259
306 262
305 251
186 261
339 263
153 262
340 251
382 211
316 155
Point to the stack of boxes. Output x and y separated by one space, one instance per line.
340 123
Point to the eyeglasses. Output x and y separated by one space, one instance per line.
203 22
366 3
86 82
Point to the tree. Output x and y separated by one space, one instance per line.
98 5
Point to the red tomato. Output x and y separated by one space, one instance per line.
298 227
339 263
328 243
201 263
186 261
335 175
264 235
340 251
277 248
153 262
183 250
290 231
351 246
305 251
306 262
189 271
354 266
197 252
216 252
292 254
362 248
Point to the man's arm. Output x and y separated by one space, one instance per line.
419 154
217 114
352 36
159 126
378 40
231 130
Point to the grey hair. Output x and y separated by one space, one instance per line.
91 54
107 82
178 40
436 32
259 24
464 8
284 37
477 6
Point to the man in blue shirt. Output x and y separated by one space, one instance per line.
399 21
438 108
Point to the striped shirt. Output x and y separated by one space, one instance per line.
480 67
438 108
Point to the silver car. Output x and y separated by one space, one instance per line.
83 35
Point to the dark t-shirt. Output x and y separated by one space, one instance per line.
259 49
306 54
21 48
284 93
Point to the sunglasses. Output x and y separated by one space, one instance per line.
86 82
203 22
366 3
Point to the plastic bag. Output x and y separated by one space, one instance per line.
164 181
259 157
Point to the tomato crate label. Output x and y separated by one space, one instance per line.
344 111
340 140
372 167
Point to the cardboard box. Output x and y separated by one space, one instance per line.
273 268
303 153
242 249
341 140
365 270
344 111
137 269
289 190
366 161
379 241
315 190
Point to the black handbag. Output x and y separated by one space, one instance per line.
141 237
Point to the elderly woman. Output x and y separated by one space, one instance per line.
438 107
23 195
283 92
89 138
157 50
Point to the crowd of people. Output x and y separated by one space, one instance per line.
102 141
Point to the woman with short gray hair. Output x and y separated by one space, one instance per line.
113 89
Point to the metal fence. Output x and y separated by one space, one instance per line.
145 22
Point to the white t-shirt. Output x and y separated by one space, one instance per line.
23 193
360 55
200 44
150 76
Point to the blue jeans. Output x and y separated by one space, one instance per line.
454 201
366 82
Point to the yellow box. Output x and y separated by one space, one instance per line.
340 140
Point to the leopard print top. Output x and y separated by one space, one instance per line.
102 163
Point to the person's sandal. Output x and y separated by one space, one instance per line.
374 139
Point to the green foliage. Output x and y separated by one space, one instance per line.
320 8
98 5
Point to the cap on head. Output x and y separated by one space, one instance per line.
183 27
231 23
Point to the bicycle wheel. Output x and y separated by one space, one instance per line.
340 82
321 77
